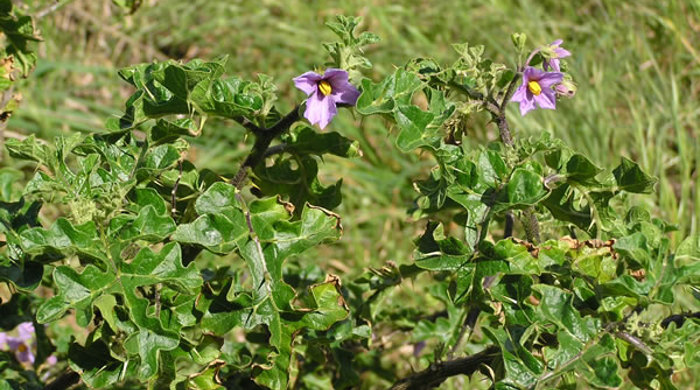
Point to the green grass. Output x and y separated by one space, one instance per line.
636 65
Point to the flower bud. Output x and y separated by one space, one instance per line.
519 40
566 88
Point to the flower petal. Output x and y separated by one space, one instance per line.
14 342
520 94
25 330
25 356
320 109
532 73
308 82
551 63
335 75
546 99
550 78
343 91
557 42
526 105
561 53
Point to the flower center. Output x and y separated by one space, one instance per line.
325 88
534 87
21 348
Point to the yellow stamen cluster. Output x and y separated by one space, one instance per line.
534 87
21 348
325 88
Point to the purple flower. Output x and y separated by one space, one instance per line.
22 345
325 91
536 88
554 53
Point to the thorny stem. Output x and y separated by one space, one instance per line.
529 220
263 138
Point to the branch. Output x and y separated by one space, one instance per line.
277 149
263 138
503 128
437 373
66 380
248 125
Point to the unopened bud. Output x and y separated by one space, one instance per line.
566 88
519 40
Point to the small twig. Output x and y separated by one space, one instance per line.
635 342
156 298
469 323
52 8
173 193
437 373
551 179
277 149
248 125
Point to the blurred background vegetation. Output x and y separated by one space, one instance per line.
636 64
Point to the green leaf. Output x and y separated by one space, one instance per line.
561 203
491 167
556 306
522 369
580 169
167 132
95 364
9 190
605 373
326 307
297 178
26 275
437 252
148 270
305 140
64 238
631 178
520 259
413 123
634 249
525 188
76 291
392 92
